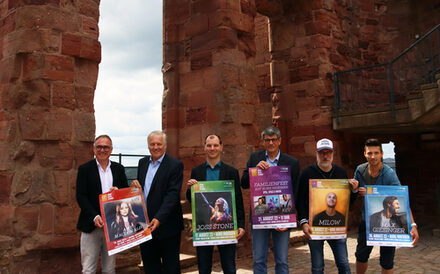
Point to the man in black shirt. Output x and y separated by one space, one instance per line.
330 216
323 169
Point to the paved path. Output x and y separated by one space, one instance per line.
424 258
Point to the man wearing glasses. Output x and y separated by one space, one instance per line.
264 159
95 177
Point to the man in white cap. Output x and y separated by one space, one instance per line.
323 169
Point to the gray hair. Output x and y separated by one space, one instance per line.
271 130
103 136
157 132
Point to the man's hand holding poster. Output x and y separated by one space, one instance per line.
214 218
272 198
387 213
329 202
125 219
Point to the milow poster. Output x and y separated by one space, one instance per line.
387 216
329 201
272 198
214 218
125 219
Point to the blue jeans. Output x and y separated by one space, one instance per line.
260 246
227 258
339 248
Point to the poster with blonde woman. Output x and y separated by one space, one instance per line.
125 219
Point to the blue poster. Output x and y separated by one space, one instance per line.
387 216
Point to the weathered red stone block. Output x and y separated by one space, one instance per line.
33 93
36 41
5 187
90 27
61 260
320 41
201 60
174 118
32 187
63 95
4 156
90 49
7 24
86 73
318 27
83 152
17 3
26 220
89 8
304 74
58 156
248 7
246 44
59 68
63 182
6 218
46 219
71 44
233 19
47 17
214 39
32 123
338 60
64 241
59 126
65 220
196 116
84 98
84 125
4 125
32 66
177 11
198 24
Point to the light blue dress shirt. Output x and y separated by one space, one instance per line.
275 161
152 169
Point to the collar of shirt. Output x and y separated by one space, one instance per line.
158 160
213 174
275 161
215 166
100 167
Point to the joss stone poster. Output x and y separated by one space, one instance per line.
214 219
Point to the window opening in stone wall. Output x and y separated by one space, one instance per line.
388 155
129 88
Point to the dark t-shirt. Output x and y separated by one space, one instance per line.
322 219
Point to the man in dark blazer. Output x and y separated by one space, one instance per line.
214 170
160 177
95 177
264 159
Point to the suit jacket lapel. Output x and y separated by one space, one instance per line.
159 173
222 172
97 178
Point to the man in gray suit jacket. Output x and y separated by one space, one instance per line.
95 177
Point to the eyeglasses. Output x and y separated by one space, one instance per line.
273 140
106 148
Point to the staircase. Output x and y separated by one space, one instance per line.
396 97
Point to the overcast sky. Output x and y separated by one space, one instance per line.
129 89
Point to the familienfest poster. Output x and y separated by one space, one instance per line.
125 219
272 198
214 218
328 208
387 213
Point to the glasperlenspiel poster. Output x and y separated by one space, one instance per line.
125 219
214 219
329 202
272 198
387 213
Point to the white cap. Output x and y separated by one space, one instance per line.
324 144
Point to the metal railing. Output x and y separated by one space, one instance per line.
130 169
384 86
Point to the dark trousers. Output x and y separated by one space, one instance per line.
161 256
227 258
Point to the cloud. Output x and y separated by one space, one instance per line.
129 91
